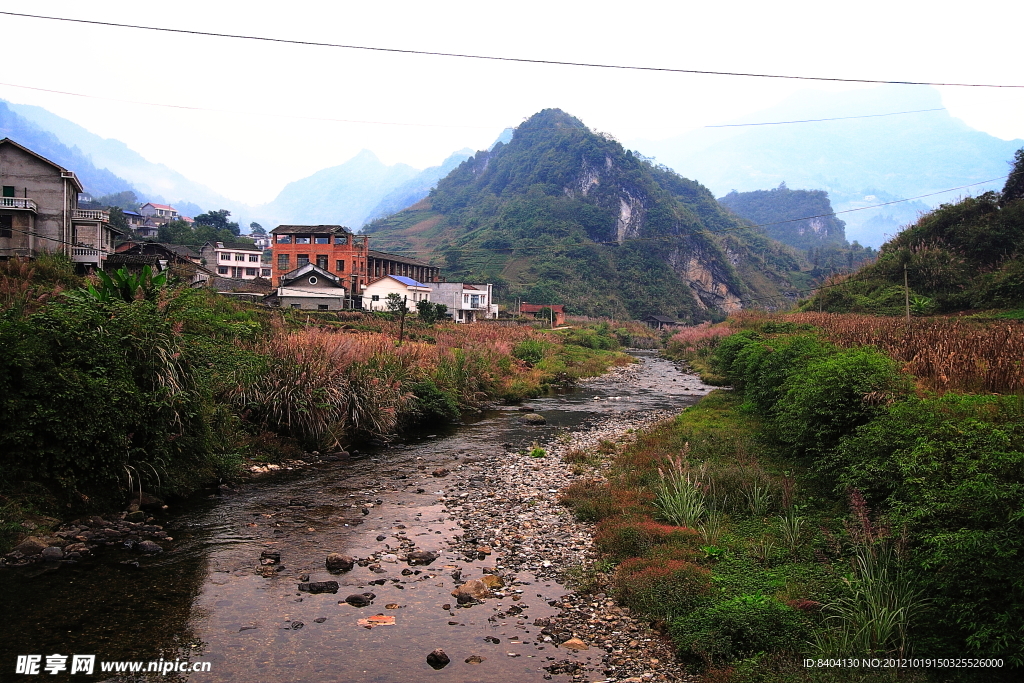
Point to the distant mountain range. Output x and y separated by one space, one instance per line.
858 161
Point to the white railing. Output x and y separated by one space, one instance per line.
87 255
91 215
18 203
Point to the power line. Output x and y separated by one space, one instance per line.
838 118
521 60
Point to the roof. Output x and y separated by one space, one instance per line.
228 284
534 308
160 206
407 281
384 256
310 230
661 319
63 170
130 213
236 246
308 269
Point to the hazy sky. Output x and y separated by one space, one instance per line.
427 107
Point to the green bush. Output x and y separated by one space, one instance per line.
738 628
529 350
433 403
661 587
766 365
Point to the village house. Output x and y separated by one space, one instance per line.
39 212
660 322
159 213
540 312
310 287
375 293
235 260
331 248
180 261
466 303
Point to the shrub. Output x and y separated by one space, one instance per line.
622 539
529 350
737 628
660 587
590 500
433 403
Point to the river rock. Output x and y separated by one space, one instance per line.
149 547
423 557
30 547
492 581
438 659
319 587
52 554
150 502
137 516
475 659
474 589
534 419
575 644
359 599
336 562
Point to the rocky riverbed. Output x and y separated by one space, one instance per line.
458 548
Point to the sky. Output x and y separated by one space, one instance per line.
247 117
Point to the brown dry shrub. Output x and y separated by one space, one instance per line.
660 587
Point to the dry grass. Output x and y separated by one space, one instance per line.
944 353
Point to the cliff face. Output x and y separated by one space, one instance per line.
561 214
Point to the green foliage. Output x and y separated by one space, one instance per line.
433 403
395 303
1013 190
124 286
431 313
531 350
661 587
218 220
741 627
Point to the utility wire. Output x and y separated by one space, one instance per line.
838 118
522 60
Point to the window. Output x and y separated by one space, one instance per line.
284 239
239 257
340 266
322 307
313 280
301 240
8 190
301 260
222 270
321 261
375 297
254 258
265 272
296 305
322 240
6 226
225 256
251 272
283 262
341 239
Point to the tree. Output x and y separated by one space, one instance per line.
219 220
257 229
176 232
430 313
395 302
1014 188
118 220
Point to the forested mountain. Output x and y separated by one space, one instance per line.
563 215
97 181
859 161
964 255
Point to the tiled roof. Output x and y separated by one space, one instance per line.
160 206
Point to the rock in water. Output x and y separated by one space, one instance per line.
149 547
575 644
438 659
360 599
534 419
336 562
475 659
319 587
421 557
474 589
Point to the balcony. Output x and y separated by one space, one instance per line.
90 215
21 203
87 255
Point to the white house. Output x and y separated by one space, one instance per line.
375 293
161 212
466 303
239 261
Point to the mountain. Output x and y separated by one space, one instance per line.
857 161
784 214
963 255
96 180
560 214
415 189
152 182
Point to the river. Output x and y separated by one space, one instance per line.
206 599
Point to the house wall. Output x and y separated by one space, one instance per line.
312 303
54 196
382 288
352 254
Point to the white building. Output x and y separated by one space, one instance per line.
466 303
375 293
312 288
239 261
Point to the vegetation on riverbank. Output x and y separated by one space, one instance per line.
829 506
165 389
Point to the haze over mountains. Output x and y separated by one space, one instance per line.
859 162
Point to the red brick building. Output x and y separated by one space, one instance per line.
534 311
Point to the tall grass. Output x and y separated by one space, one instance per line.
681 494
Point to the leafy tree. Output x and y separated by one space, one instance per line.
219 220
429 312
176 232
395 302
257 229
1014 188
119 220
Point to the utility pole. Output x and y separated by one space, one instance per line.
906 292
401 324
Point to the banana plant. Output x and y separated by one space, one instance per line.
125 286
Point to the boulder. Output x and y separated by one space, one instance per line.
575 644
438 659
492 581
534 419
137 516
421 557
52 554
30 547
336 562
149 547
472 590
319 587
360 599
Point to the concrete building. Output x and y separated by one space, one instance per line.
543 312
380 263
312 288
160 213
39 211
235 260
331 248
466 303
375 294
